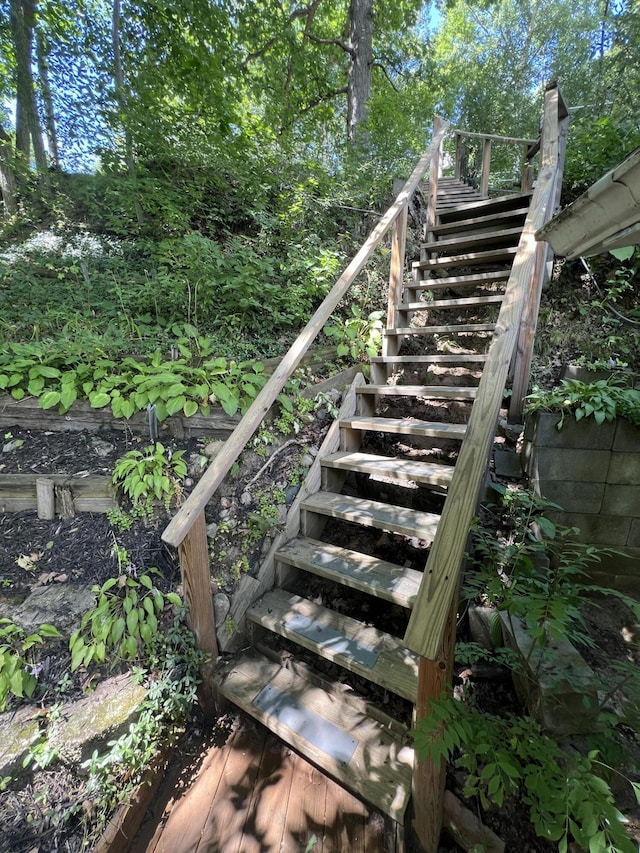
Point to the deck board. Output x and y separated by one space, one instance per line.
256 795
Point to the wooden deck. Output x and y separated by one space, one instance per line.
255 795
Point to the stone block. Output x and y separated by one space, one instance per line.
606 530
627 436
541 429
572 496
634 534
19 731
559 463
621 500
89 724
624 468
558 687
508 464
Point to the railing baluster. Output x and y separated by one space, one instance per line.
486 166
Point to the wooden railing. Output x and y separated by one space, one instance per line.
187 529
431 628
529 150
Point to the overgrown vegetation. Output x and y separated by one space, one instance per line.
534 573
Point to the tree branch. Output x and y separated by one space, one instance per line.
343 45
386 74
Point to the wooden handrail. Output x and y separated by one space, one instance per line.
185 518
439 586
514 140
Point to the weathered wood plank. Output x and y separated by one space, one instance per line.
380 768
94 493
355 570
394 669
392 468
368 513
196 581
407 426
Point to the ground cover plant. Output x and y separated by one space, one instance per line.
534 573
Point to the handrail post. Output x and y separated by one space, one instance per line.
486 165
526 175
434 174
193 553
434 680
458 166
555 136
396 279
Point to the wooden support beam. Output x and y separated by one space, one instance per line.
396 278
486 166
45 498
458 165
434 679
196 580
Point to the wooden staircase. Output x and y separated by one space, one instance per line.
375 539
397 442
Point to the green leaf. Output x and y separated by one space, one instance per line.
623 254
50 399
190 408
98 399
175 404
174 598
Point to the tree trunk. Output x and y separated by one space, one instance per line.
360 65
118 76
7 175
28 130
42 50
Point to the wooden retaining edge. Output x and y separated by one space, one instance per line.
28 414
127 818
94 493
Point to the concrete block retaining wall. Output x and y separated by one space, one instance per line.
593 472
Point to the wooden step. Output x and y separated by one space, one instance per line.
489 256
337 736
471 280
438 358
444 304
497 204
370 653
394 519
407 426
472 241
451 329
431 392
367 574
391 468
474 223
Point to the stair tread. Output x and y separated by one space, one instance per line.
434 392
373 654
473 239
465 259
462 280
478 221
337 736
437 358
408 522
394 468
363 572
495 202
440 330
407 426
443 304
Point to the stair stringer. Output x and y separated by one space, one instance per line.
251 588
